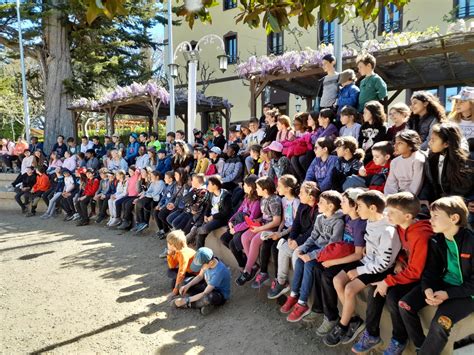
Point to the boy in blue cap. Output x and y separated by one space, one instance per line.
208 289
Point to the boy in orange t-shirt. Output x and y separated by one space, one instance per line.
180 257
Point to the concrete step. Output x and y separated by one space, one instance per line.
6 178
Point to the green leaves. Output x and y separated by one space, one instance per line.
108 8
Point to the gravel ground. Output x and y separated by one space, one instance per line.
68 289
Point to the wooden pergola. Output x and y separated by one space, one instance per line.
442 60
151 109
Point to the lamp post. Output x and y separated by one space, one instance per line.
170 126
192 56
23 75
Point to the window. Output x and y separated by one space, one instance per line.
275 43
326 32
464 8
230 4
230 41
391 19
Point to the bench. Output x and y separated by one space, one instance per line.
459 331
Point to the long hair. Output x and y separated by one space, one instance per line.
291 182
349 142
456 157
376 109
457 116
434 107
251 181
183 176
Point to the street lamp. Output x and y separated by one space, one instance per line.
192 55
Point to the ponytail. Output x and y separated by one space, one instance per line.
359 154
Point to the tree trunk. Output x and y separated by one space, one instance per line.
58 120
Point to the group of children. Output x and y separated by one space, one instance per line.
346 205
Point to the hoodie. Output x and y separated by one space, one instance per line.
326 230
382 245
406 174
322 172
414 242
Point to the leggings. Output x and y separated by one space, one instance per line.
236 247
128 206
300 164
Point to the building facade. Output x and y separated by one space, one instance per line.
241 42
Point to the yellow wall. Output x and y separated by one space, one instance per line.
424 13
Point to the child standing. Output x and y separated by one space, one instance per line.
298 234
271 219
210 288
373 129
382 247
349 161
407 169
447 281
323 166
348 120
328 228
179 258
372 87
349 92
402 209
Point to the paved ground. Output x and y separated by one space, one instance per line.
65 289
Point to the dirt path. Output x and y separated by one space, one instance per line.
65 289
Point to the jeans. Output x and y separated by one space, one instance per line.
214 298
179 219
325 295
285 255
353 181
52 203
205 229
18 196
160 219
375 308
143 207
103 205
173 215
448 314
303 278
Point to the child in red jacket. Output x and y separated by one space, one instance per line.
402 209
90 188
41 185
375 173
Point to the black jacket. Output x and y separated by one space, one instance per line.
219 141
433 189
270 134
225 206
303 223
28 181
437 264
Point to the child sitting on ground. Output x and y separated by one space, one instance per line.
298 234
374 174
210 288
328 228
382 247
447 280
179 258
402 209
407 169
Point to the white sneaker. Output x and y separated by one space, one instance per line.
109 221
45 216
116 222
76 216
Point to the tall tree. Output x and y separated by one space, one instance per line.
77 58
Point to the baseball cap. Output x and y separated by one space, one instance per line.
466 94
202 256
218 129
275 146
162 151
216 150
134 135
196 131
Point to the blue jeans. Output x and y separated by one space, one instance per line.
173 215
303 279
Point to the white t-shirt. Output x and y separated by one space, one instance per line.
467 128
215 203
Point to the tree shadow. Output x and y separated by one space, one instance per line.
34 256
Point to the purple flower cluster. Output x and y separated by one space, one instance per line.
120 93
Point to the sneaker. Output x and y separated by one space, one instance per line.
116 222
334 337
298 312
141 227
24 210
134 228
254 272
326 326
76 216
206 310
99 219
395 347
277 290
366 343
243 278
68 218
44 216
288 306
164 254
260 280
312 317
356 326
30 214
124 225
10 188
